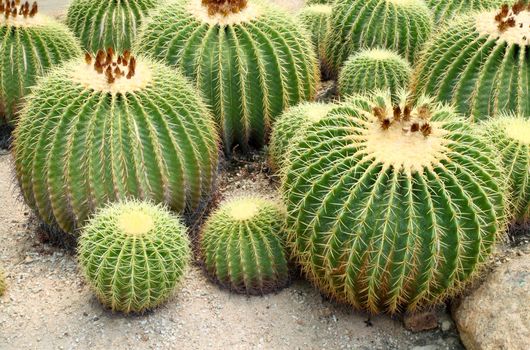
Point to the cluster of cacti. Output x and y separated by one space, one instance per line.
402 26
2 282
249 60
109 128
292 123
480 63
133 254
243 245
102 23
392 207
374 69
510 135
445 10
315 19
30 43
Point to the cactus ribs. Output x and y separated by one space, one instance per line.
104 63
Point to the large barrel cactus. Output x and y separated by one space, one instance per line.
315 19
374 69
103 23
400 25
510 134
110 128
133 254
392 207
480 63
30 43
445 10
243 245
249 59
293 122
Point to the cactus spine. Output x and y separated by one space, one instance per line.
30 43
243 245
392 207
400 25
291 124
249 60
445 10
374 69
102 23
133 254
510 134
480 63
315 19
111 128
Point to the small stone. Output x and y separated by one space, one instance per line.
421 321
446 326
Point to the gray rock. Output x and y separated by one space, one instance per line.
497 314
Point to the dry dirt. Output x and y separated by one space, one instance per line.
48 305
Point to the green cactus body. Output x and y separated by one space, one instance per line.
480 63
243 246
445 10
102 23
315 19
510 134
374 69
89 135
399 25
3 285
133 254
30 43
291 124
392 208
250 64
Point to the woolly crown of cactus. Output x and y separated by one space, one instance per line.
392 207
399 25
291 124
510 135
445 10
250 60
30 44
109 128
374 69
133 254
103 23
480 63
315 19
243 245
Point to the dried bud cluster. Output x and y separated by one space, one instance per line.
224 7
104 63
408 122
506 18
14 8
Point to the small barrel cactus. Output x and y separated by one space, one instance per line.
315 19
110 128
243 245
133 254
2 282
480 63
31 43
103 23
250 60
392 207
510 134
292 123
445 10
374 69
402 26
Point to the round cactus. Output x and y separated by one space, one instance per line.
110 128
445 10
243 246
510 135
2 282
315 19
249 60
292 123
374 69
392 207
133 254
400 25
480 63
31 44
102 23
